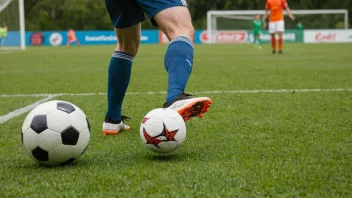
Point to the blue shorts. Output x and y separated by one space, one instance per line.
125 13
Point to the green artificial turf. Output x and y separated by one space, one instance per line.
269 144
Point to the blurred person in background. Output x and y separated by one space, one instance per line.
257 31
71 37
300 26
3 34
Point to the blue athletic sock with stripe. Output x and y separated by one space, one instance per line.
118 79
178 63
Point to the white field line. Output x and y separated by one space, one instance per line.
25 109
274 91
199 92
20 111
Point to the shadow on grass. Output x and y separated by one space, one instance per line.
164 157
35 165
171 157
110 160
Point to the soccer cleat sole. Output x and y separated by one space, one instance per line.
109 132
196 108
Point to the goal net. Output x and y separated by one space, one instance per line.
12 32
233 25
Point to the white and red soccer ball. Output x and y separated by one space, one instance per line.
162 130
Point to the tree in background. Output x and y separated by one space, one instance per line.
63 14
92 15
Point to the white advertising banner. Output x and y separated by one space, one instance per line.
328 36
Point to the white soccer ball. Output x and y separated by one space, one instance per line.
56 133
162 130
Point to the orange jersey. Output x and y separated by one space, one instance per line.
276 8
71 35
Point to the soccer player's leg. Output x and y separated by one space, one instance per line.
176 23
78 43
257 42
126 17
69 43
255 39
280 34
272 31
273 42
281 30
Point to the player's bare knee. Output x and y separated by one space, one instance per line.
187 32
175 21
191 33
130 48
129 39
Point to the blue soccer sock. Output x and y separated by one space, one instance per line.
118 79
178 63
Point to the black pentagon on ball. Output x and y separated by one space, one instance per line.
39 123
40 154
70 136
65 107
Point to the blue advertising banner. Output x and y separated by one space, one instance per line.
12 39
57 38
201 37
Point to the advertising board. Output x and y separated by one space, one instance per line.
328 36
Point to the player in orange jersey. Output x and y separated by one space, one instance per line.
276 20
71 35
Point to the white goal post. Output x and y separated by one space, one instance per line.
213 15
12 16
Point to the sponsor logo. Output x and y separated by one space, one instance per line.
100 38
37 38
107 38
242 37
231 37
55 39
144 38
203 37
225 37
321 37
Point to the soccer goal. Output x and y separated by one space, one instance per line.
220 21
12 20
